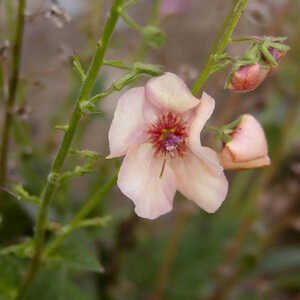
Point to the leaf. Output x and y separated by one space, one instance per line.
10 276
77 253
55 284
78 67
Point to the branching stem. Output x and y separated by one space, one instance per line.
64 148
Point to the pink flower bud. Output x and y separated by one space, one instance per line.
248 77
247 148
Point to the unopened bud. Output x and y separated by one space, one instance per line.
248 77
247 147
153 36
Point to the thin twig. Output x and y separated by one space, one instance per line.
13 86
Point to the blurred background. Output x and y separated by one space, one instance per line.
249 249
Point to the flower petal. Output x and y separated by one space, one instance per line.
229 164
248 141
197 183
139 179
127 127
169 92
201 114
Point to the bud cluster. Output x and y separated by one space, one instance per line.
260 59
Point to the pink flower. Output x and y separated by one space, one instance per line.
158 128
171 7
248 78
247 148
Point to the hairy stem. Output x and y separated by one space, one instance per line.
66 143
229 26
13 85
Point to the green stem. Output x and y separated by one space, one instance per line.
230 24
102 95
84 211
66 143
243 39
153 20
13 85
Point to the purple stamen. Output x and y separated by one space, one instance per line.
170 142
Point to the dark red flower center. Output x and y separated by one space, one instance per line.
168 135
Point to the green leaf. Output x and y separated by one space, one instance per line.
55 284
10 276
77 253
78 67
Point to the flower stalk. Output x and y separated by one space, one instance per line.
238 7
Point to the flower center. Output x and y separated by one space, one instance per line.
168 135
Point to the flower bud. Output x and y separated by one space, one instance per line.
248 77
153 36
247 148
